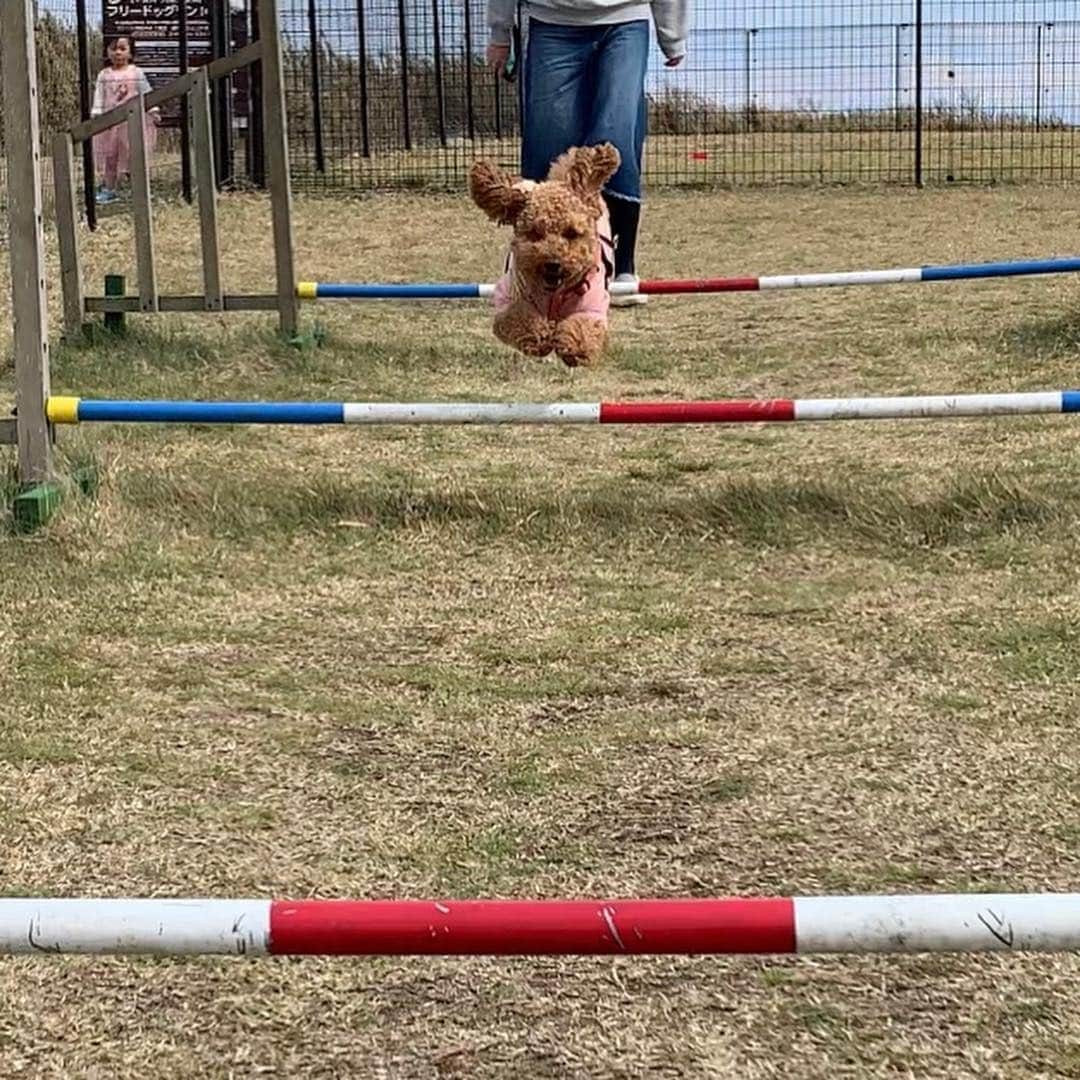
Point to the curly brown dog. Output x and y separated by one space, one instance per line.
554 295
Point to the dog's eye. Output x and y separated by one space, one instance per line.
571 233
535 235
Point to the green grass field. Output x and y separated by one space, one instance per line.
561 662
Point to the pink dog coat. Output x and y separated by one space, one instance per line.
588 297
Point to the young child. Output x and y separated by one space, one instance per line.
117 83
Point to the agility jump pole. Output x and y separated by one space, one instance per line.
311 290
73 410
964 923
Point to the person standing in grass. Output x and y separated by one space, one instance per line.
584 83
117 83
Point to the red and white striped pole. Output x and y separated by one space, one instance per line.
860 924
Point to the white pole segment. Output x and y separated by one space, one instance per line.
858 277
173 927
943 923
944 405
472 413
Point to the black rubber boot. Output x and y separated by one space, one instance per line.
625 215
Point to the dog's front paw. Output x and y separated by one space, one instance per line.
523 329
580 341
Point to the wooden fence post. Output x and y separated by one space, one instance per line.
275 126
18 65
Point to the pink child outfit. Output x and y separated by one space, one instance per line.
588 297
111 150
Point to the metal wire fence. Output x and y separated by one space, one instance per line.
396 93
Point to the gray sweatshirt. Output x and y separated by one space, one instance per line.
672 17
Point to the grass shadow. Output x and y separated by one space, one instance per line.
965 512
1042 338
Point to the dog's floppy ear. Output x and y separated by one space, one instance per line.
495 193
585 169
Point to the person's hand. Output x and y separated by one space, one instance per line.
498 56
674 61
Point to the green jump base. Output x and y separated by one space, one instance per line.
34 506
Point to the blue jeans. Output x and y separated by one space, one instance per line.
584 85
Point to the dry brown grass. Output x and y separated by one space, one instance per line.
409 662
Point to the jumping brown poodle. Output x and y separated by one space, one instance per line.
553 296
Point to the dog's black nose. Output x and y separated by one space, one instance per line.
552 269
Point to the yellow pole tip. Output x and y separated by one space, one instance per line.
62 410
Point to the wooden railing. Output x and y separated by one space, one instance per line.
195 87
